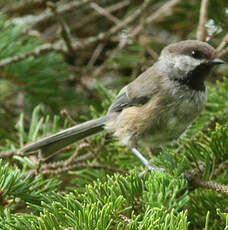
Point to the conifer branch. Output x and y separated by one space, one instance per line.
78 166
196 182
194 178
113 30
95 14
211 124
222 44
96 54
223 52
47 15
160 13
24 6
222 49
68 162
43 49
66 115
7 154
163 11
105 13
40 50
221 167
201 31
65 31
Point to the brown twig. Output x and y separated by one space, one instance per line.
222 52
223 43
203 129
82 165
201 30
65 31
194 178
94 15
41 50
105 35
95 54
74 162
72 159
197 182
7 154
79 44
105 13
23 7
164 11
152 53
47 15
65 114
222 167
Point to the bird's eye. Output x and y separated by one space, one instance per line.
196 54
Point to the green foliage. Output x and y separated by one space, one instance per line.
115 202
104 191
103 206
35 75
17 184
166 190
159 201
103 201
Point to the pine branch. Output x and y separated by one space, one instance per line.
220 168
67 116
201 31
160 13
196 182
7 154
165 10
105 13
23 6
80 166
47 15
92 17
222 44
65 31
40 50
221 50
113 30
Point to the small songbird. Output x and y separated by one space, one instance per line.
157 107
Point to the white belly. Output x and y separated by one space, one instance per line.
172 121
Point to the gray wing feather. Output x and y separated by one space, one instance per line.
137 92
121 101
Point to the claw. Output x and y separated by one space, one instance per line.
146 163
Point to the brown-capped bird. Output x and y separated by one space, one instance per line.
157 107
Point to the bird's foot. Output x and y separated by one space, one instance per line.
146 163
152 168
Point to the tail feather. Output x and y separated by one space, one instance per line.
55 142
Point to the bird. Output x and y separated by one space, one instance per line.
156 108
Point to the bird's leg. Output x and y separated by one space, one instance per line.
145 162
142 158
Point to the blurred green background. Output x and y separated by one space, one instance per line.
68 80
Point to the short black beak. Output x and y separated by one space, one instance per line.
216 61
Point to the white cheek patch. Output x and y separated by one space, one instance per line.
185 63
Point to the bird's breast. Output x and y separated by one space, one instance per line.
173 116
161 120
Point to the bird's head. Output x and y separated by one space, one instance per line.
188 62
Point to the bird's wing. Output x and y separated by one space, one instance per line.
137 92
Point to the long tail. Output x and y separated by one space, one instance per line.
55 142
